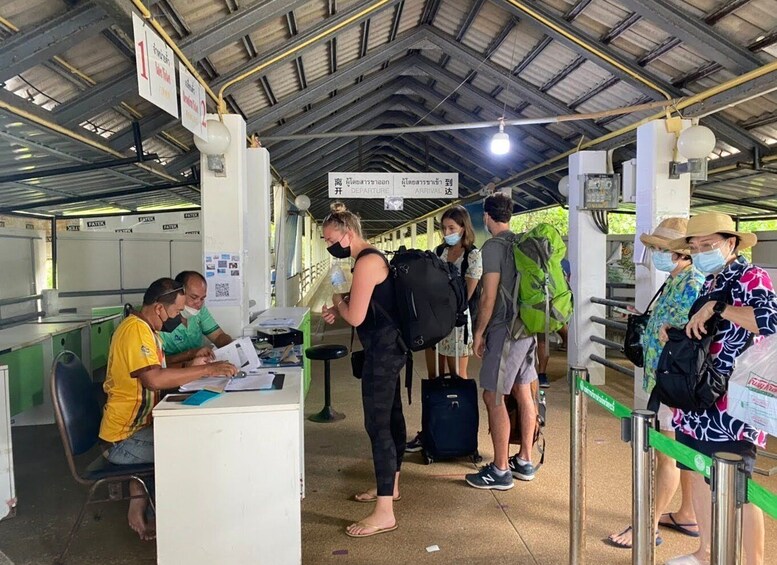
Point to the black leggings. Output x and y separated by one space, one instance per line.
382 401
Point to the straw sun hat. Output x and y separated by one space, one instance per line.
710 223
666 232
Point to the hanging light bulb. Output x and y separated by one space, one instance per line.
500 143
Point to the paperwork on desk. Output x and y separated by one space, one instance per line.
254 380
241 353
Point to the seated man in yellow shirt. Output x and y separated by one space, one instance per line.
136 373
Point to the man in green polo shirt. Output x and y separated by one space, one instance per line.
185 342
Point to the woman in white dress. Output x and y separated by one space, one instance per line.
458 248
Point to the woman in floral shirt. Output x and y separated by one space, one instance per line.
671 308
743 297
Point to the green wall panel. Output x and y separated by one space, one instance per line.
25 375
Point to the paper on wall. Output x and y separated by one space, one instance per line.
222 271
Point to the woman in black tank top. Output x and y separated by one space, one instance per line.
370 308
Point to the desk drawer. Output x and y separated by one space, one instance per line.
25 377
101 334
70 341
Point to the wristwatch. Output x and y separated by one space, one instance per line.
719 307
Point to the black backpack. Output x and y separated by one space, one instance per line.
474 300
431 297
686 377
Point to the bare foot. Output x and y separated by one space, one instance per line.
371 495
379 519
137 519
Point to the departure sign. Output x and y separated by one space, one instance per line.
155 64
384 185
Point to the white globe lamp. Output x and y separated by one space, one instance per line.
696 142
302 203
563 186
218 139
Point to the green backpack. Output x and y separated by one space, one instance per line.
543 295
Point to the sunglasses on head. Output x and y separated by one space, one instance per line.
178 290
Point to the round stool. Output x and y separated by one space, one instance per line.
326 353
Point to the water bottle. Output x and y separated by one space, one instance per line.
542 407
338 278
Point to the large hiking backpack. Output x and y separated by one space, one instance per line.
543 294
431 298
474 300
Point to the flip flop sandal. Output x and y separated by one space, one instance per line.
370 498
375 532
624 545
677 526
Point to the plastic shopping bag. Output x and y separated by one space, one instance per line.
752 390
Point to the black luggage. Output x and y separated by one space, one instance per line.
449 418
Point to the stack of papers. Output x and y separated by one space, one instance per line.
241 353
253 380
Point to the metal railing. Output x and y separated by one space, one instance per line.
730 487
310 277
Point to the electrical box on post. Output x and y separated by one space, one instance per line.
600 191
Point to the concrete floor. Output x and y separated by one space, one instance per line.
528 524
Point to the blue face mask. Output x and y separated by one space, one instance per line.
709 262
662 261
452 238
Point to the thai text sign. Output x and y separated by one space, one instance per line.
382 185
155 64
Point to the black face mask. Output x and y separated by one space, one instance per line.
338 251
171 323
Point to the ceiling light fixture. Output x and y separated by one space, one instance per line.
500 143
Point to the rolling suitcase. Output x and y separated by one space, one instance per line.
449 417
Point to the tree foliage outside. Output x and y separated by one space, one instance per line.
558 217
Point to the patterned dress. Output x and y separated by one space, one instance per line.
448 346
751 287
670 308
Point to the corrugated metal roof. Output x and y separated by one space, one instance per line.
50 84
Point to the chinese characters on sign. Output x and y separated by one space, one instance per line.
384 185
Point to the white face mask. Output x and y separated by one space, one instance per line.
189 312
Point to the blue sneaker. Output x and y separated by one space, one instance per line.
414 445
522 471
543 379
489 478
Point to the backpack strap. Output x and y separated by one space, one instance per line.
655 296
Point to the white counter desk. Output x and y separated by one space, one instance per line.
228 476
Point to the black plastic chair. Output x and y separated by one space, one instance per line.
326 353
78 416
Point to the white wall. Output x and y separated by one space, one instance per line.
113 261
23 255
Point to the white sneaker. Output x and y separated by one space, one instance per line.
686 560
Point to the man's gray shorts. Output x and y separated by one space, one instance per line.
514 357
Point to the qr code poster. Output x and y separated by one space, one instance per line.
222 271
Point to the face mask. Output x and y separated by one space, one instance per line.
452 238
189 312
662 261
709 262
170 324
338 251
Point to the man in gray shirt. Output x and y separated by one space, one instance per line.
508 363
